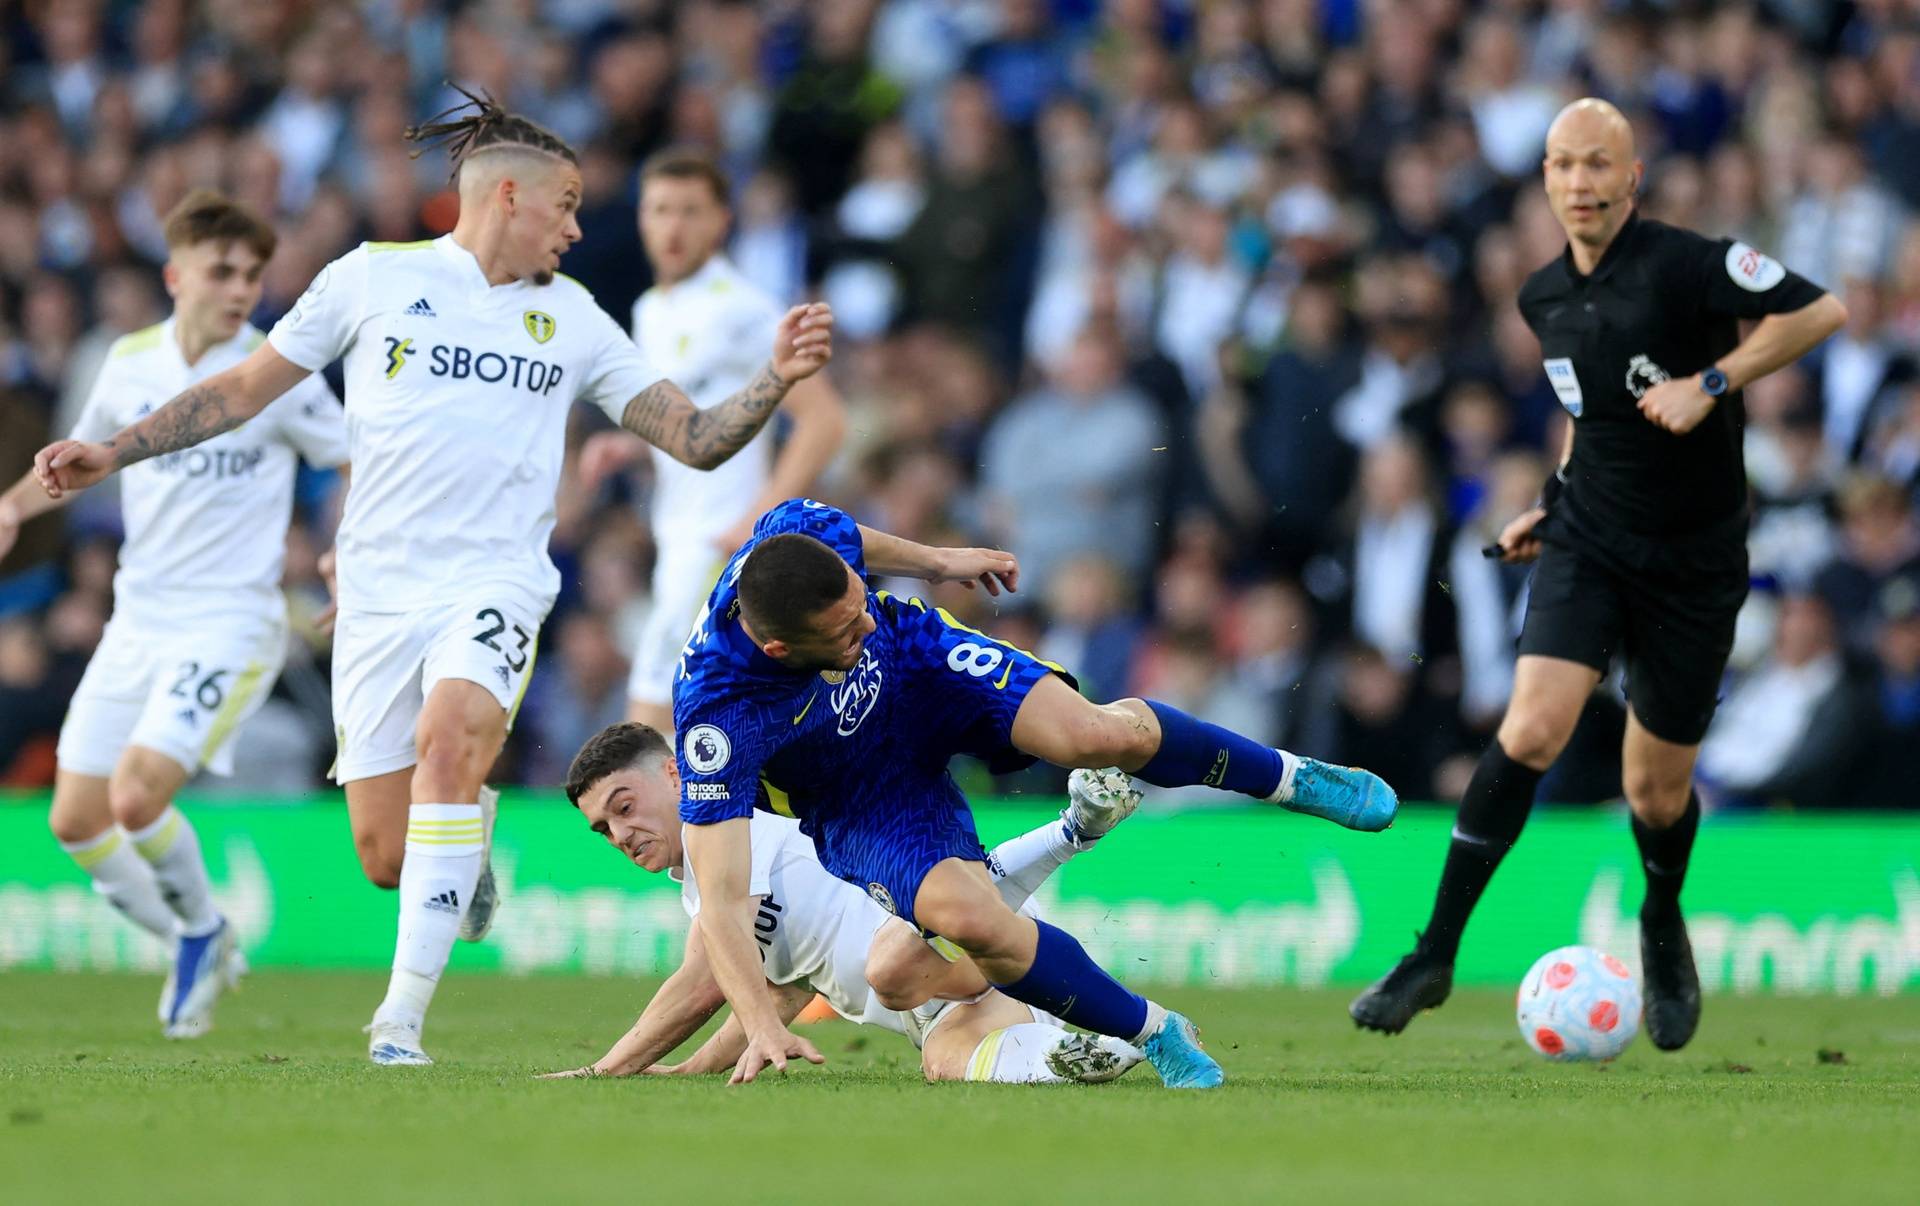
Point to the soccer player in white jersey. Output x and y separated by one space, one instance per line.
199 627
821 934
704 324
463 355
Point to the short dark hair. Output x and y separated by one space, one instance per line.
687 163
787 580
206 216
617 747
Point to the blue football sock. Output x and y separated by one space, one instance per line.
1068 984
1195 752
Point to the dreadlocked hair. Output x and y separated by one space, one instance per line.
488 125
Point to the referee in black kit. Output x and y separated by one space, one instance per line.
1640 536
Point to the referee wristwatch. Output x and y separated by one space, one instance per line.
1713 382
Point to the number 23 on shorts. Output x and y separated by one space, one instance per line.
495 625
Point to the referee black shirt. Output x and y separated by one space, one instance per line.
1662 303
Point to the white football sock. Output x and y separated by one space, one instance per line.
1021 864
1156 1018
1017 1055
442 864
125 879
172 848
1290 765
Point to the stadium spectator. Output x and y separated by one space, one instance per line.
1299 219
1069 469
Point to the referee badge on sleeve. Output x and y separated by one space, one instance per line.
1566 384
1752 271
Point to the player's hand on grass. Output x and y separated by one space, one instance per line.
606 453
587 1073
1677 406
71 465
326 566
1517 541
803 343
989 568
773 1049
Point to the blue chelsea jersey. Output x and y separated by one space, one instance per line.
740 715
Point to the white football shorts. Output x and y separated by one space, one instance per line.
181 691
684 575
386 663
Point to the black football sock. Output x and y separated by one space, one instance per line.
1664 854
1492 813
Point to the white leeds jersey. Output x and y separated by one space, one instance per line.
457 401
206 527
814 928
712 333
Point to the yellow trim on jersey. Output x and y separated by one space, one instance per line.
945 948
229 714
778 800
533 657
416 245
156 845
980 1066
145 339
93 856
946 618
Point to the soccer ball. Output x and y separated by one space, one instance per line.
1579 1003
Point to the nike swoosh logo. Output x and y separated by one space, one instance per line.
808 708
1002 684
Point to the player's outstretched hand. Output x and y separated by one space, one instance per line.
586 1073
990 568
70 465
804 342
1677 405
1517 541
773 1050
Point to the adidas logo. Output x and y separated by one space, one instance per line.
447 902
421 309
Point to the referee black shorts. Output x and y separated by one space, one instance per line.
1668 610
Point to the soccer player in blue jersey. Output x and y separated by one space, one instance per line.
802 690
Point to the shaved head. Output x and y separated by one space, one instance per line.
1591 176
1591 121
485 167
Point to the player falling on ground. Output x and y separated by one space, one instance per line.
463 355
1640 535
199 627
704 324
850 705
821 934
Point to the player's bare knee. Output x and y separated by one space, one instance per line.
895 969
1533 738
133 803
379 859
1657 799
454 758
72 825
983 932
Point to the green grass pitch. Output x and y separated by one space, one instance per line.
279 1105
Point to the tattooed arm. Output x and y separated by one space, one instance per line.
662 415
220 403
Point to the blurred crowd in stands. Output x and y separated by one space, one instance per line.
1202 307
